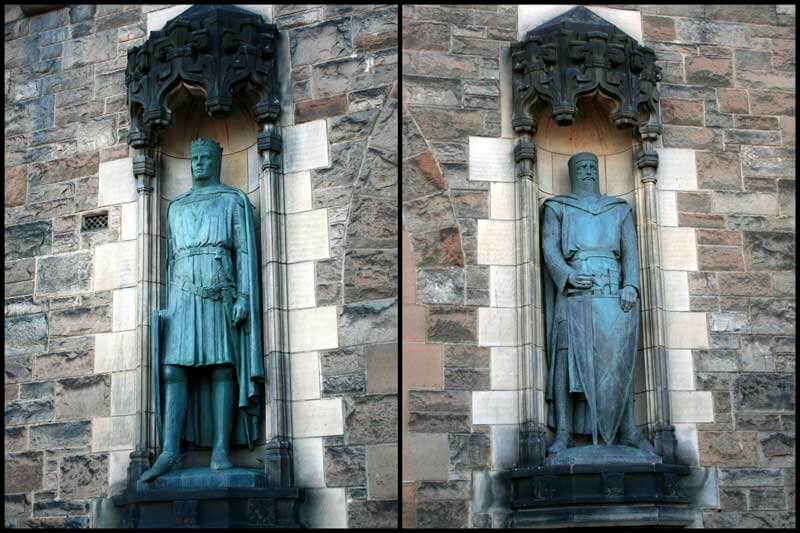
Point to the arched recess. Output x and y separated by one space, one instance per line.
211 71
580 83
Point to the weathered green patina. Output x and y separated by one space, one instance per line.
207 357
592 312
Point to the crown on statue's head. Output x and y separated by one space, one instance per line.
209 144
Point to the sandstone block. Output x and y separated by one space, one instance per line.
355 74
19 412
79 397
373 223
57 436
468 451
382 472
371 419
64 274
382 368
369 513
345 466
26 334
370 274
27 240
84 476
80 321
452 324
764 392
443 514
368 322
425 456
23 472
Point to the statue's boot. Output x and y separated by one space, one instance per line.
560 444
166 461
176 397
630 435
223 399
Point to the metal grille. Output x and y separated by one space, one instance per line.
95 222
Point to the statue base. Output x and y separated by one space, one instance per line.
570 495
602 455
202 498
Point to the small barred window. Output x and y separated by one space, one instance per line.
95 222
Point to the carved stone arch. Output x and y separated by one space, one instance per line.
226 55
573 60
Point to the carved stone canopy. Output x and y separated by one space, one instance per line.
578 54
223 51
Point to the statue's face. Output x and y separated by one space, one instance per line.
205 164
585 175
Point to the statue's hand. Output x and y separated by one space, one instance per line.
627 298
581 281
239 311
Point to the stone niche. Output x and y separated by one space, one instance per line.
211 71
582 84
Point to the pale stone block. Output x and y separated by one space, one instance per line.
382 472
116 184
678 249
317 418
115 351
124 387
691 406
114 265
305 146
113 433
686 329
176 176
298 191
544 173
681 369
496 242
234 171
253 168
308 467
497 326
502 286
307 236
688 448
324 508
561 183
313 329
676 290
129 225
305 375
265 10
505 447
667 208
425 457
495 407
531 16
491 159
156 20
124 309
118 470
301 285
501 201
677 170
504 368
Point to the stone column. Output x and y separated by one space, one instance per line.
533 433
277 458
148 256
653 327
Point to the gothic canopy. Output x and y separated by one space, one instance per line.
223 51
575 55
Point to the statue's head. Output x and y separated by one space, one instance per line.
584 175
206 160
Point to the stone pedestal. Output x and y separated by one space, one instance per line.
200 498
569 495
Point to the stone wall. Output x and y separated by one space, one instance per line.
726 202
71 364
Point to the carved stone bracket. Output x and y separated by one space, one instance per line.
226 51
575 55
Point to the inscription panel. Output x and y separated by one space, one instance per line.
305 146
491 159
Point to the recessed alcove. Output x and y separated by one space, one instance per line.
593 132
240 169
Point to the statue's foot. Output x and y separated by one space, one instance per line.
637 439
559 445
166 461
219 460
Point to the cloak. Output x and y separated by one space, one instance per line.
246 346
555 300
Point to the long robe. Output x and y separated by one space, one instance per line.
212 259
572 226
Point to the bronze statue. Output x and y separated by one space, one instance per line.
207 355
591 311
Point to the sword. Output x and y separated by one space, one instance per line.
235 350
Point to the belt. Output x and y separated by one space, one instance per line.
585 254
214 292
200 250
